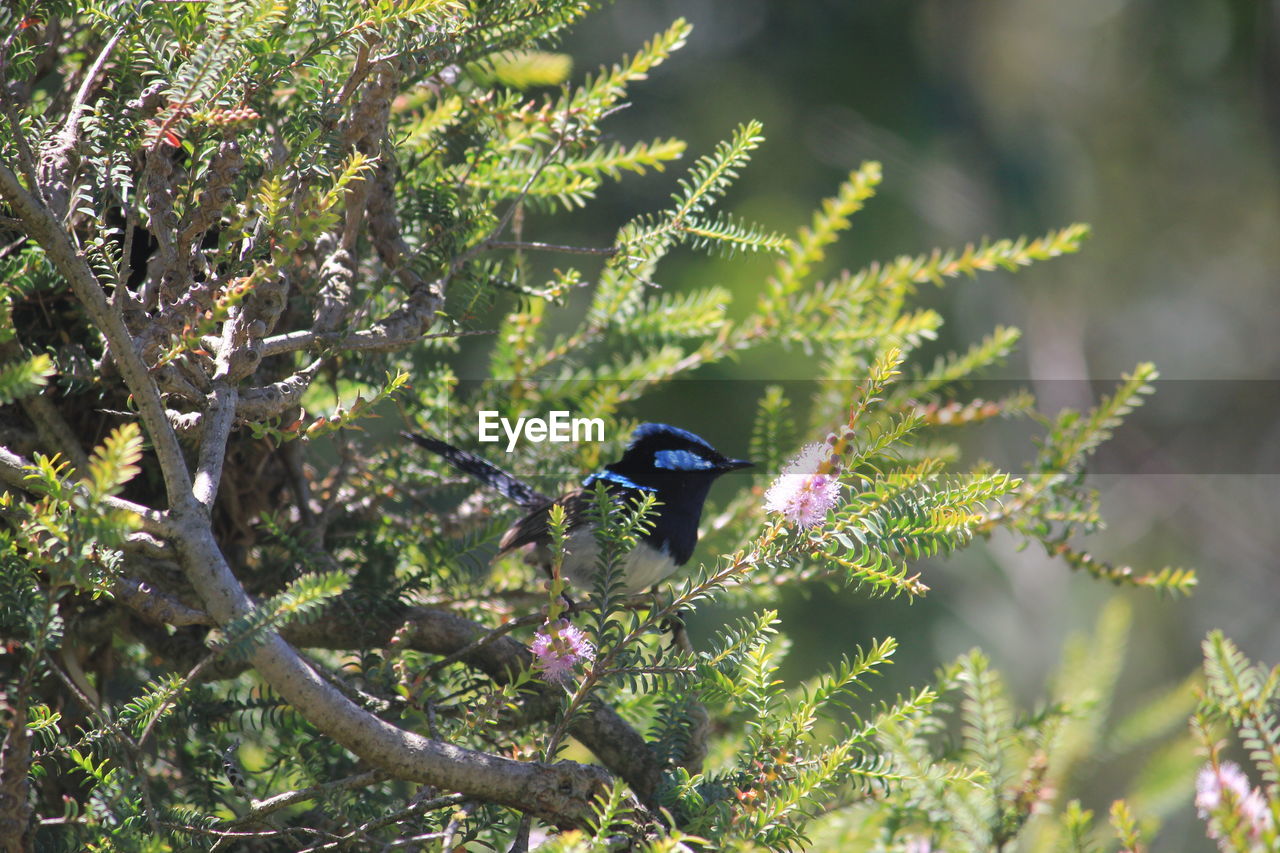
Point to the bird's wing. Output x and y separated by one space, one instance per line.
534 526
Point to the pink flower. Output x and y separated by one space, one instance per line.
1212 781
800 493
558 649
1248 803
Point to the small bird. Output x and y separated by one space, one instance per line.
675 465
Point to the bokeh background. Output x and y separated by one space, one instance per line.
1156 123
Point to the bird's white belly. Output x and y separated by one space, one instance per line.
641 569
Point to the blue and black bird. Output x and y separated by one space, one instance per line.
674 464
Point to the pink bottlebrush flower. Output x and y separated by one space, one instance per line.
1248 802
800 493
558 649
1212 781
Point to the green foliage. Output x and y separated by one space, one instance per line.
980 774
1052 505
1238 698
302 600
115 462
1244 692
71 534
649 237
25 376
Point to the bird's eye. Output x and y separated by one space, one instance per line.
681 460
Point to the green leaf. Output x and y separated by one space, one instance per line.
114 463
24 376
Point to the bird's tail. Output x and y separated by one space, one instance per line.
491 475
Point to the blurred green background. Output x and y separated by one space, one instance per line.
1155 122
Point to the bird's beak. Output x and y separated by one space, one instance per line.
734 465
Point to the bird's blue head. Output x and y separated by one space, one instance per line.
670 460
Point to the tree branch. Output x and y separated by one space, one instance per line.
220 413
267 401
605 251
365 340
403 814
561 793
252 404
611 739
55 162
42 225
155 606
262 808
13 471
618 746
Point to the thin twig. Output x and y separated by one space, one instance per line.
647 670
520 844
26 159
132 749
261 808
56 432
487 243
350 341
413 839
8 250
257 833
14 471
490 637
605 251
173 691
455 823
386 820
